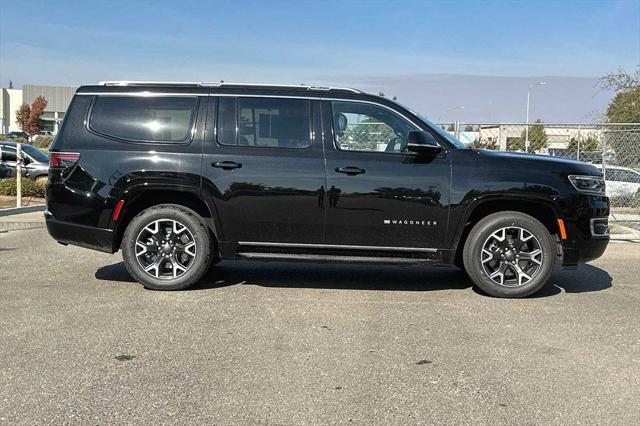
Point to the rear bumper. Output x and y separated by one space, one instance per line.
79 235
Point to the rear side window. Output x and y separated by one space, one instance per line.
8 153
264 122
145 119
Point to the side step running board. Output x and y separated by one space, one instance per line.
332 258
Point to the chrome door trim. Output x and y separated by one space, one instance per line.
337 246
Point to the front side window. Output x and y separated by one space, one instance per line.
264 122
161 119
367 127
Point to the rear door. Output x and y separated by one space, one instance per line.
264 168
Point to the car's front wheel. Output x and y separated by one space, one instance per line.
167 247
509 254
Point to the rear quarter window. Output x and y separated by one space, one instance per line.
144 119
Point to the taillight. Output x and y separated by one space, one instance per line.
63 159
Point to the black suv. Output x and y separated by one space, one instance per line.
181 175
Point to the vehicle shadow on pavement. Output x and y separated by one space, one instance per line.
587 278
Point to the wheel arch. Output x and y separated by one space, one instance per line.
136 201
542 210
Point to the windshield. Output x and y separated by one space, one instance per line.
35 153
455 142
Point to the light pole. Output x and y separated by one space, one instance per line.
526 131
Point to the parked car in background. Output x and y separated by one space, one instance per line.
36 161
621 181
18 135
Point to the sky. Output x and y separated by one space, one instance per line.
435 56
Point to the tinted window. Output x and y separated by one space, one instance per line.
35 153
163 119
264 122
366 127
8 153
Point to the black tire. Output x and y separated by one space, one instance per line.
506 259
163 215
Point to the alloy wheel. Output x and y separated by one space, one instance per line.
165 249
511 256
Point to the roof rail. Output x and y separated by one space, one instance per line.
147 82
217 84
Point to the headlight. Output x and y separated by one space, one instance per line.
593 184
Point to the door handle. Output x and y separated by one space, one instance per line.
351 171
226 165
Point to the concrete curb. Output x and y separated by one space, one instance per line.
20 226
20 210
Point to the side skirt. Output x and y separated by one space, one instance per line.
326 253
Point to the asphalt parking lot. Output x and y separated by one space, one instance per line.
293 343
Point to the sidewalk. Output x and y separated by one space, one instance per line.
22 221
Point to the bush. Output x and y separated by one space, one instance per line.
10 138
30 188
42 142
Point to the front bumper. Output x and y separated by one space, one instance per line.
573 256
79 235
587 229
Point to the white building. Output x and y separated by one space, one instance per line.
58 99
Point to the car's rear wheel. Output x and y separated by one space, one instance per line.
167 247
509 254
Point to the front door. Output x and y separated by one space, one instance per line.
264 169
378 193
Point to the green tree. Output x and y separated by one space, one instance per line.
538 139
623 108
588 144
488 143
625 105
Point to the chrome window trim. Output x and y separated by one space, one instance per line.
319 98
187 141
336 246
143 94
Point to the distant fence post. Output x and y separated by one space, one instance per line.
18 174
579 134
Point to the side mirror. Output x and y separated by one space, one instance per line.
422 142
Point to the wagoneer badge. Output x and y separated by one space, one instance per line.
410 222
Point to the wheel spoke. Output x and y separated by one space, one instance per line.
153 227
489 255
499 273
155 266
142 246
520 274
178 228
534 256
176 266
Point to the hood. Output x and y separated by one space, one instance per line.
542 161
